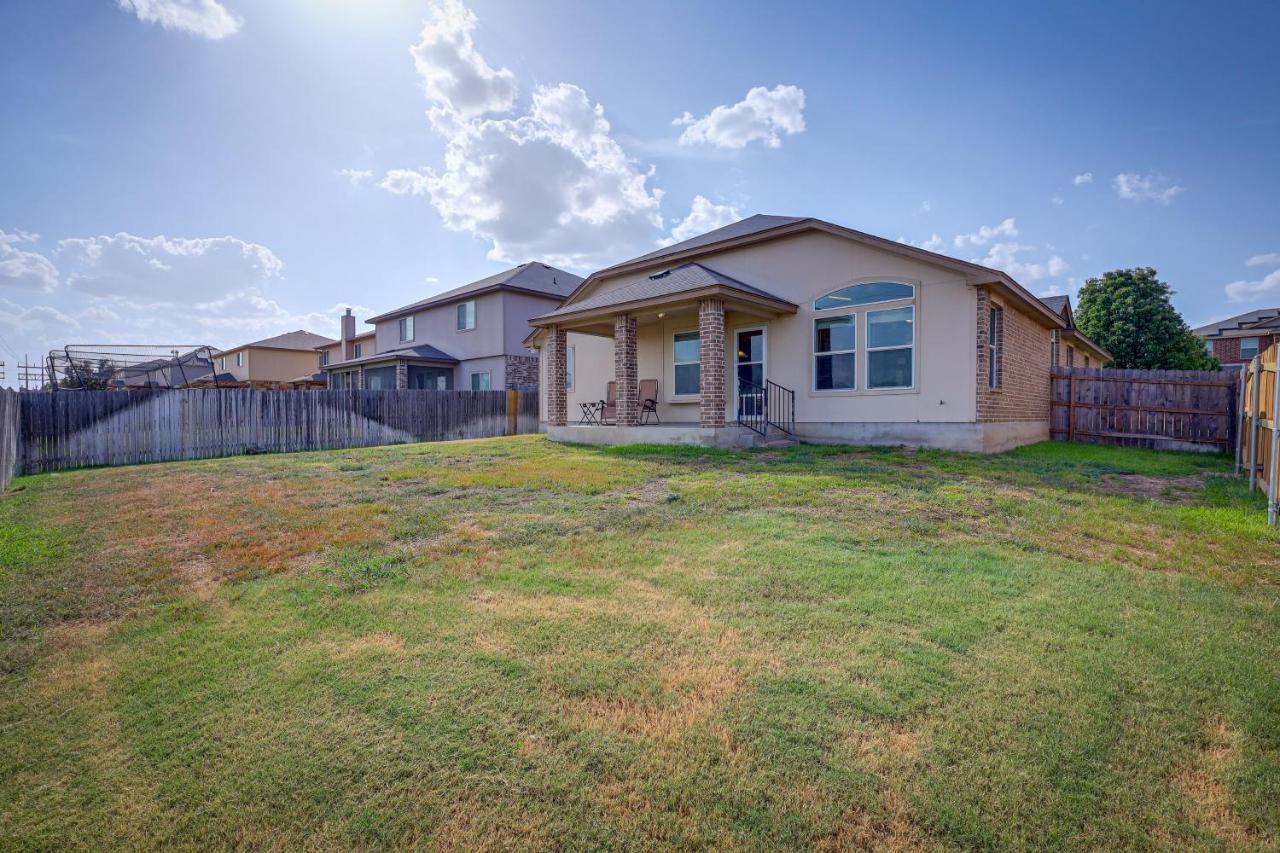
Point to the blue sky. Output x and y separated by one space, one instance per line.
213 172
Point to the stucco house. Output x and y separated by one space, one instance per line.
832 334
468 338
1236 340
269 363
1070 347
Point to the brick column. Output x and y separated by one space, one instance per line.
557 400
711 362
625 372
402 374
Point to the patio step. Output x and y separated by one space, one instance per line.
775 438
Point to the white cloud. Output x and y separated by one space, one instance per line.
933 244
704 216
207 18
1246 291
1058 200
1056 289
1082 179
163 269
551 184
987 233
405 182
1004 256
926 206
1271 259
1149 187
20 268
457 80
355 176
764 114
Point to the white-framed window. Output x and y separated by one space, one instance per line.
1208 346
359 350
222 363
995 347
1248 348
686 360
466 315
324 358
865 293
568 368
1071 356
834 359
406 328
480 381
240 359
891 338
1055 338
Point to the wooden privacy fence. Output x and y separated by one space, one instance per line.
1162 409
8 436
74 429
1258 449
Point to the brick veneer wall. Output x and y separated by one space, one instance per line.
1228 349
625 372
553 351
402 374
711 362
522 371
1024 391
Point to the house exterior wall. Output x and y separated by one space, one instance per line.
280 365
1228 349
801 268
1023 394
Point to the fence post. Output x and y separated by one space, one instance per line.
1071 404
1273 481
1255 398
1241 414
513 411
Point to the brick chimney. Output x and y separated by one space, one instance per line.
348 348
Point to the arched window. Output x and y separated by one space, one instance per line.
865 293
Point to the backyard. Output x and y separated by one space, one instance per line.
513 643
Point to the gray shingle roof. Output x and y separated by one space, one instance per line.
533 277
424 351
1056 303
672 282
1239 321
742 228
289 340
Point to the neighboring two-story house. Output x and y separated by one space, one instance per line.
269 363
1236 340
1070 347
468 338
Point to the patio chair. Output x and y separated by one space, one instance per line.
649 400
609 405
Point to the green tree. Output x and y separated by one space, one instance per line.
1129 313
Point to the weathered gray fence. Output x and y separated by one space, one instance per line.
1162 409
74 429
8 436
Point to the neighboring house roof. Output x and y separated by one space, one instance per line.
682 279
299 339
1238 323
1056 303
1061 305
425 352
535 278
359 337
759 228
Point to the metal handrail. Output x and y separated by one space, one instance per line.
762 406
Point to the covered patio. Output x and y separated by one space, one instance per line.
700 377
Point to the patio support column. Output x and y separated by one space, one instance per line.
402 374
711 362
557 400
625 373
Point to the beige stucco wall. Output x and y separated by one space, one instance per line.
280 365
502 322
800 269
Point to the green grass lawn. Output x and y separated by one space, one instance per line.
512 643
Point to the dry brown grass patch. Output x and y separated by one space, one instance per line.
692 692
1208 801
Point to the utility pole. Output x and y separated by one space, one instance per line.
30 375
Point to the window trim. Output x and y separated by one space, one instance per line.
570 367
814 354
324 358
461 306
1257 347
684 398
995 347
914 285
358 350
240 358
406 324
868 349
471 379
